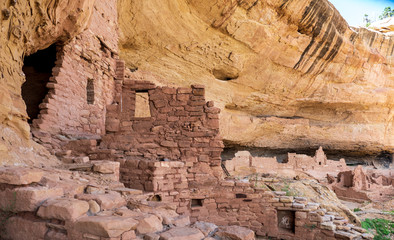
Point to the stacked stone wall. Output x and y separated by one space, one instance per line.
88 59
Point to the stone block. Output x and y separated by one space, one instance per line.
151 236
81 160
181 221
149 224
106 201
94 207
286 199
182 233
20 175
345 235
129 235
106 167
27 198
20 228
205 227
63 209
235 232
298 205
105 226
328 226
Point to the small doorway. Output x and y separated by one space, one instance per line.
38 69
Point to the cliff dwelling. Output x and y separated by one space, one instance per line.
115 126
37 69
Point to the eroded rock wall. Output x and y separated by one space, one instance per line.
82 84
286 74
25 27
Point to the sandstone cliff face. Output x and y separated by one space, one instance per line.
287 74
25 27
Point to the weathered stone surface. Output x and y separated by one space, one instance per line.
25 32
106 167
63 209
19 175
181 221
273 93
27 198
105 226
205 227
20 228
181 233
106 201
93 206
235 233
149 224
345 235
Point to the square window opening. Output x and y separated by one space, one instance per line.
196 202
286 221
142 108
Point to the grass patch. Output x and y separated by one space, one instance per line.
383 229
289 192
389 212
357 210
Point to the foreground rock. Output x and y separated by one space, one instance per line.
181 233
235 233
80 217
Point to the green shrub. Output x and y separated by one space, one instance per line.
384 228
357 210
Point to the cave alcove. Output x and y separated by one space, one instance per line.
37 68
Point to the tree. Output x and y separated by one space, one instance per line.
387 12
366 20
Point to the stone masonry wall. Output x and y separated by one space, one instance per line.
88 57
181 126
232 202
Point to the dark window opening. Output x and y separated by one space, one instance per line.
240 195
247 200
286 221
196 203
90 91
319 163
155 198
38 69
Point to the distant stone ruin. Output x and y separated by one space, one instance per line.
245 164
360 185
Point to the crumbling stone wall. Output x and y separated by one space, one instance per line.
245 163
88 59
369 185
232 202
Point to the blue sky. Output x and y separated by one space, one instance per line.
353 10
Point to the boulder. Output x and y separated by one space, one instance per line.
105 226
19 175
182 233
235 233
63 209
27 198
205 227
106 201
149 224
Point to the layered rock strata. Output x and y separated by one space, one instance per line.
286 74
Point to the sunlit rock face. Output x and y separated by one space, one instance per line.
25 27
287 74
